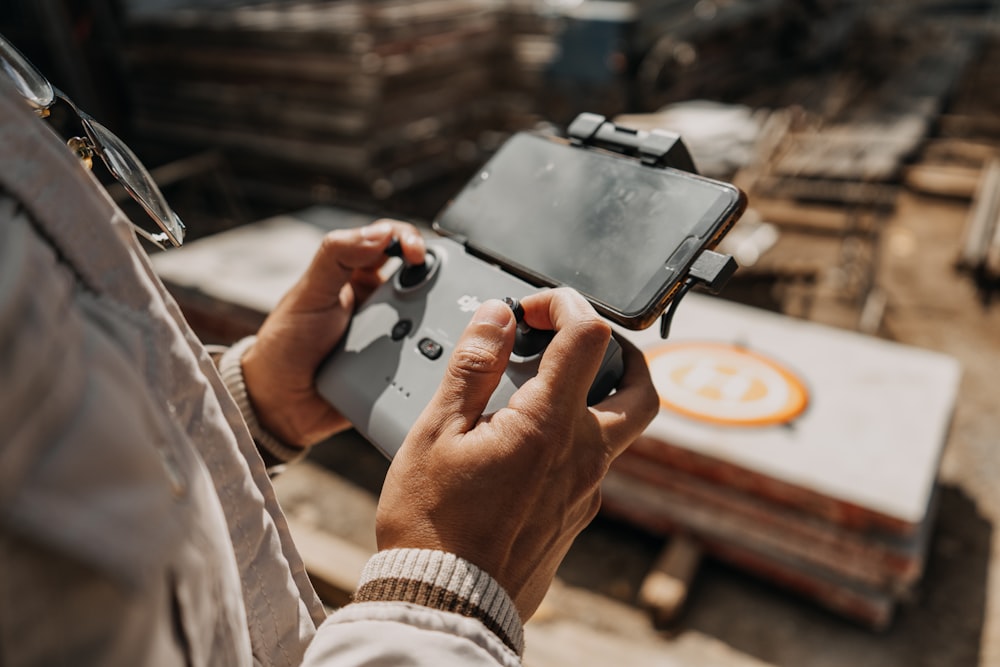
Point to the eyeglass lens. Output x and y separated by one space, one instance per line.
120 160
29 81
127 168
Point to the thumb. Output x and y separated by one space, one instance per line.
474 369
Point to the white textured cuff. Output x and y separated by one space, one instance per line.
231 370
442 581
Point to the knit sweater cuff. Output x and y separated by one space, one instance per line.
442 581
231 370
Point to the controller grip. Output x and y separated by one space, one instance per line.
609 375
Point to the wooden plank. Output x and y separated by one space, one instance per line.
958 151
872 609
815 191
666 587
942 180
862 151
786 213
632 500
979 125
982 219
992 263
878 561
727 473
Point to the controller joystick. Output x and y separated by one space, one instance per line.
530 342
411 275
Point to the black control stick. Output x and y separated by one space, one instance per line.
529 342
410 275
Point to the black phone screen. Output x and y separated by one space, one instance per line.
616 230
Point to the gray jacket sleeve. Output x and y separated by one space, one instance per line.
421 607
274 452
59 518
137 525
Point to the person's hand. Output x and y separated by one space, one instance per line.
510 491
280 368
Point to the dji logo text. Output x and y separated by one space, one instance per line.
468 304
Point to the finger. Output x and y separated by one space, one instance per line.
343 252
571 360
474 371
412 242
626 413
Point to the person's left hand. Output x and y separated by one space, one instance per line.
280 368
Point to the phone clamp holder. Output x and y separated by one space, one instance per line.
711 269
655 148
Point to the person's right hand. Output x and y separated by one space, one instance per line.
509 492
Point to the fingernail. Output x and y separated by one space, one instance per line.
493 312
377 231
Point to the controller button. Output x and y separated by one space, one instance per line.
430 349
400 329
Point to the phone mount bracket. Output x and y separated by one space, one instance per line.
655 148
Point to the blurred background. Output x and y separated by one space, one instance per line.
866 133
390 104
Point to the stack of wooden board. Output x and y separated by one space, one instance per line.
804 453
869 112
527 47
337 99
724 50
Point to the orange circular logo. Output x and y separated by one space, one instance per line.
725 384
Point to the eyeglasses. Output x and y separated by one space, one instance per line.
119 159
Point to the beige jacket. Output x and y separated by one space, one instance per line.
137 522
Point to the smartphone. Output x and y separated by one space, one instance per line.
622 233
